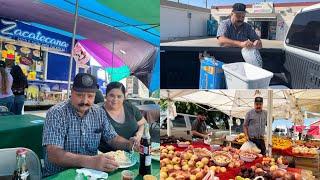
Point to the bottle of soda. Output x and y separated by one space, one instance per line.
21 172
145 152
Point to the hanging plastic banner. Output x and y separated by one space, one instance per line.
80 55
172 110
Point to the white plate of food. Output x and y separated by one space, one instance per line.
10 47
93 174
25 50
123 158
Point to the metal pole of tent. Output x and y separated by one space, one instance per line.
230 122
112 34
229 128
269 122
73 41
169 132
168 115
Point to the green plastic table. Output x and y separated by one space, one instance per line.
22 131
116 175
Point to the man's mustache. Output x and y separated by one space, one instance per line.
83 104
239 21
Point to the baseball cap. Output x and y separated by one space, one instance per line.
84 82
258 100
239 8
2 64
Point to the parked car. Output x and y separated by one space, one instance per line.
181 127
280 131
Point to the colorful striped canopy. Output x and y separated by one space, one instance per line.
128 29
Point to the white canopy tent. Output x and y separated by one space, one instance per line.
288 104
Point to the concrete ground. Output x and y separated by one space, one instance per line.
213 42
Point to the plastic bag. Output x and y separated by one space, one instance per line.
252 56
250 147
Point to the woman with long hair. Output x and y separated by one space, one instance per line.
18 87
6 95
126 118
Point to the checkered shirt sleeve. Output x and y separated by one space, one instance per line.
222 29
54 130
108 132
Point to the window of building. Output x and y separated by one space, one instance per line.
305 31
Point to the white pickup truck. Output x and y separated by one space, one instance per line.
181 127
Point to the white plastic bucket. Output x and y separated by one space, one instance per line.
242 75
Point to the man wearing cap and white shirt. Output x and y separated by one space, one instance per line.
73 129
255 123
234 32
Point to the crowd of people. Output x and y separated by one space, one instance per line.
77 128
12 86
74 130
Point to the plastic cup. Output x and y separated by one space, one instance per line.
149 177
127 175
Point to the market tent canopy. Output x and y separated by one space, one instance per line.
288 104
236 103
314 130
114 64
110 24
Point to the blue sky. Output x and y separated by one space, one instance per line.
288 123
202 3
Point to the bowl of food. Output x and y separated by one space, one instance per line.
201 152
247 157
231 138
282 162
221 158
183 144
215 147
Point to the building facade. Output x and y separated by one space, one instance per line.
181 20
271 20
135 88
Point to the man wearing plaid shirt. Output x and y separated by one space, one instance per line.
73 129
234 32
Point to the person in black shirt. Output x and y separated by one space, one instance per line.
199 127
18 86
99 96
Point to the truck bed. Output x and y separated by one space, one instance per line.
213 42
180 65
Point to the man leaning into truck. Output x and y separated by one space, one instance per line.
234 32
